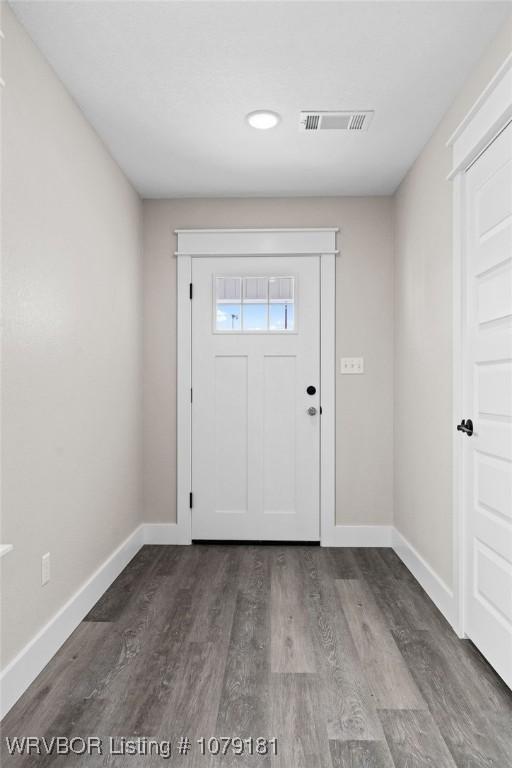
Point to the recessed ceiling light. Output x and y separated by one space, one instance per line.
263 119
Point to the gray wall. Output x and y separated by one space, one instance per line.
423 334
71 345
364 326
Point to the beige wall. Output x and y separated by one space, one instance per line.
423 334
73 308
71 365
364 326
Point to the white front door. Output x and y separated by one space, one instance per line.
487 381
255 427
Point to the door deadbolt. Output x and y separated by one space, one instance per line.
465 426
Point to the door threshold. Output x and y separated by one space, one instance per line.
259 542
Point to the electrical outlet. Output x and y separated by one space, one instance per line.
45 569
352 365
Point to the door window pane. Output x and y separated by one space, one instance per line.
229 289
255 317
281 288
229 317
255 289
281 317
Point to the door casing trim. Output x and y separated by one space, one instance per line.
194 243
486 119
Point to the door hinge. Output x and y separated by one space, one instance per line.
190 394
190 499
190 290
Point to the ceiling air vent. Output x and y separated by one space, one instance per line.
312 122
335 121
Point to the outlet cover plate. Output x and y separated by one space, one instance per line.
352 365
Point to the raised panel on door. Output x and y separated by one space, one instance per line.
493 385
494 293
488 402
491 250
494 484
493 198
279 434
493 583
231 433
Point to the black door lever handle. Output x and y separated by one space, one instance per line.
466 426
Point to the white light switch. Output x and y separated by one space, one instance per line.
352 365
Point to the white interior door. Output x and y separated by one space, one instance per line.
487 374
255 428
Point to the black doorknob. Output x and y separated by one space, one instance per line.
311 390
466 426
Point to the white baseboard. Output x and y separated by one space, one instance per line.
434 586
164 533
26 666
358 536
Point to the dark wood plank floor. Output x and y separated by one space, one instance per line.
337 653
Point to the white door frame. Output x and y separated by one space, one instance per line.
193 243
489 115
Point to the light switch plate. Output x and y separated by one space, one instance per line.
352 365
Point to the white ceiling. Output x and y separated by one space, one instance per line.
167 86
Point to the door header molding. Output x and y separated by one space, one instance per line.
256 242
